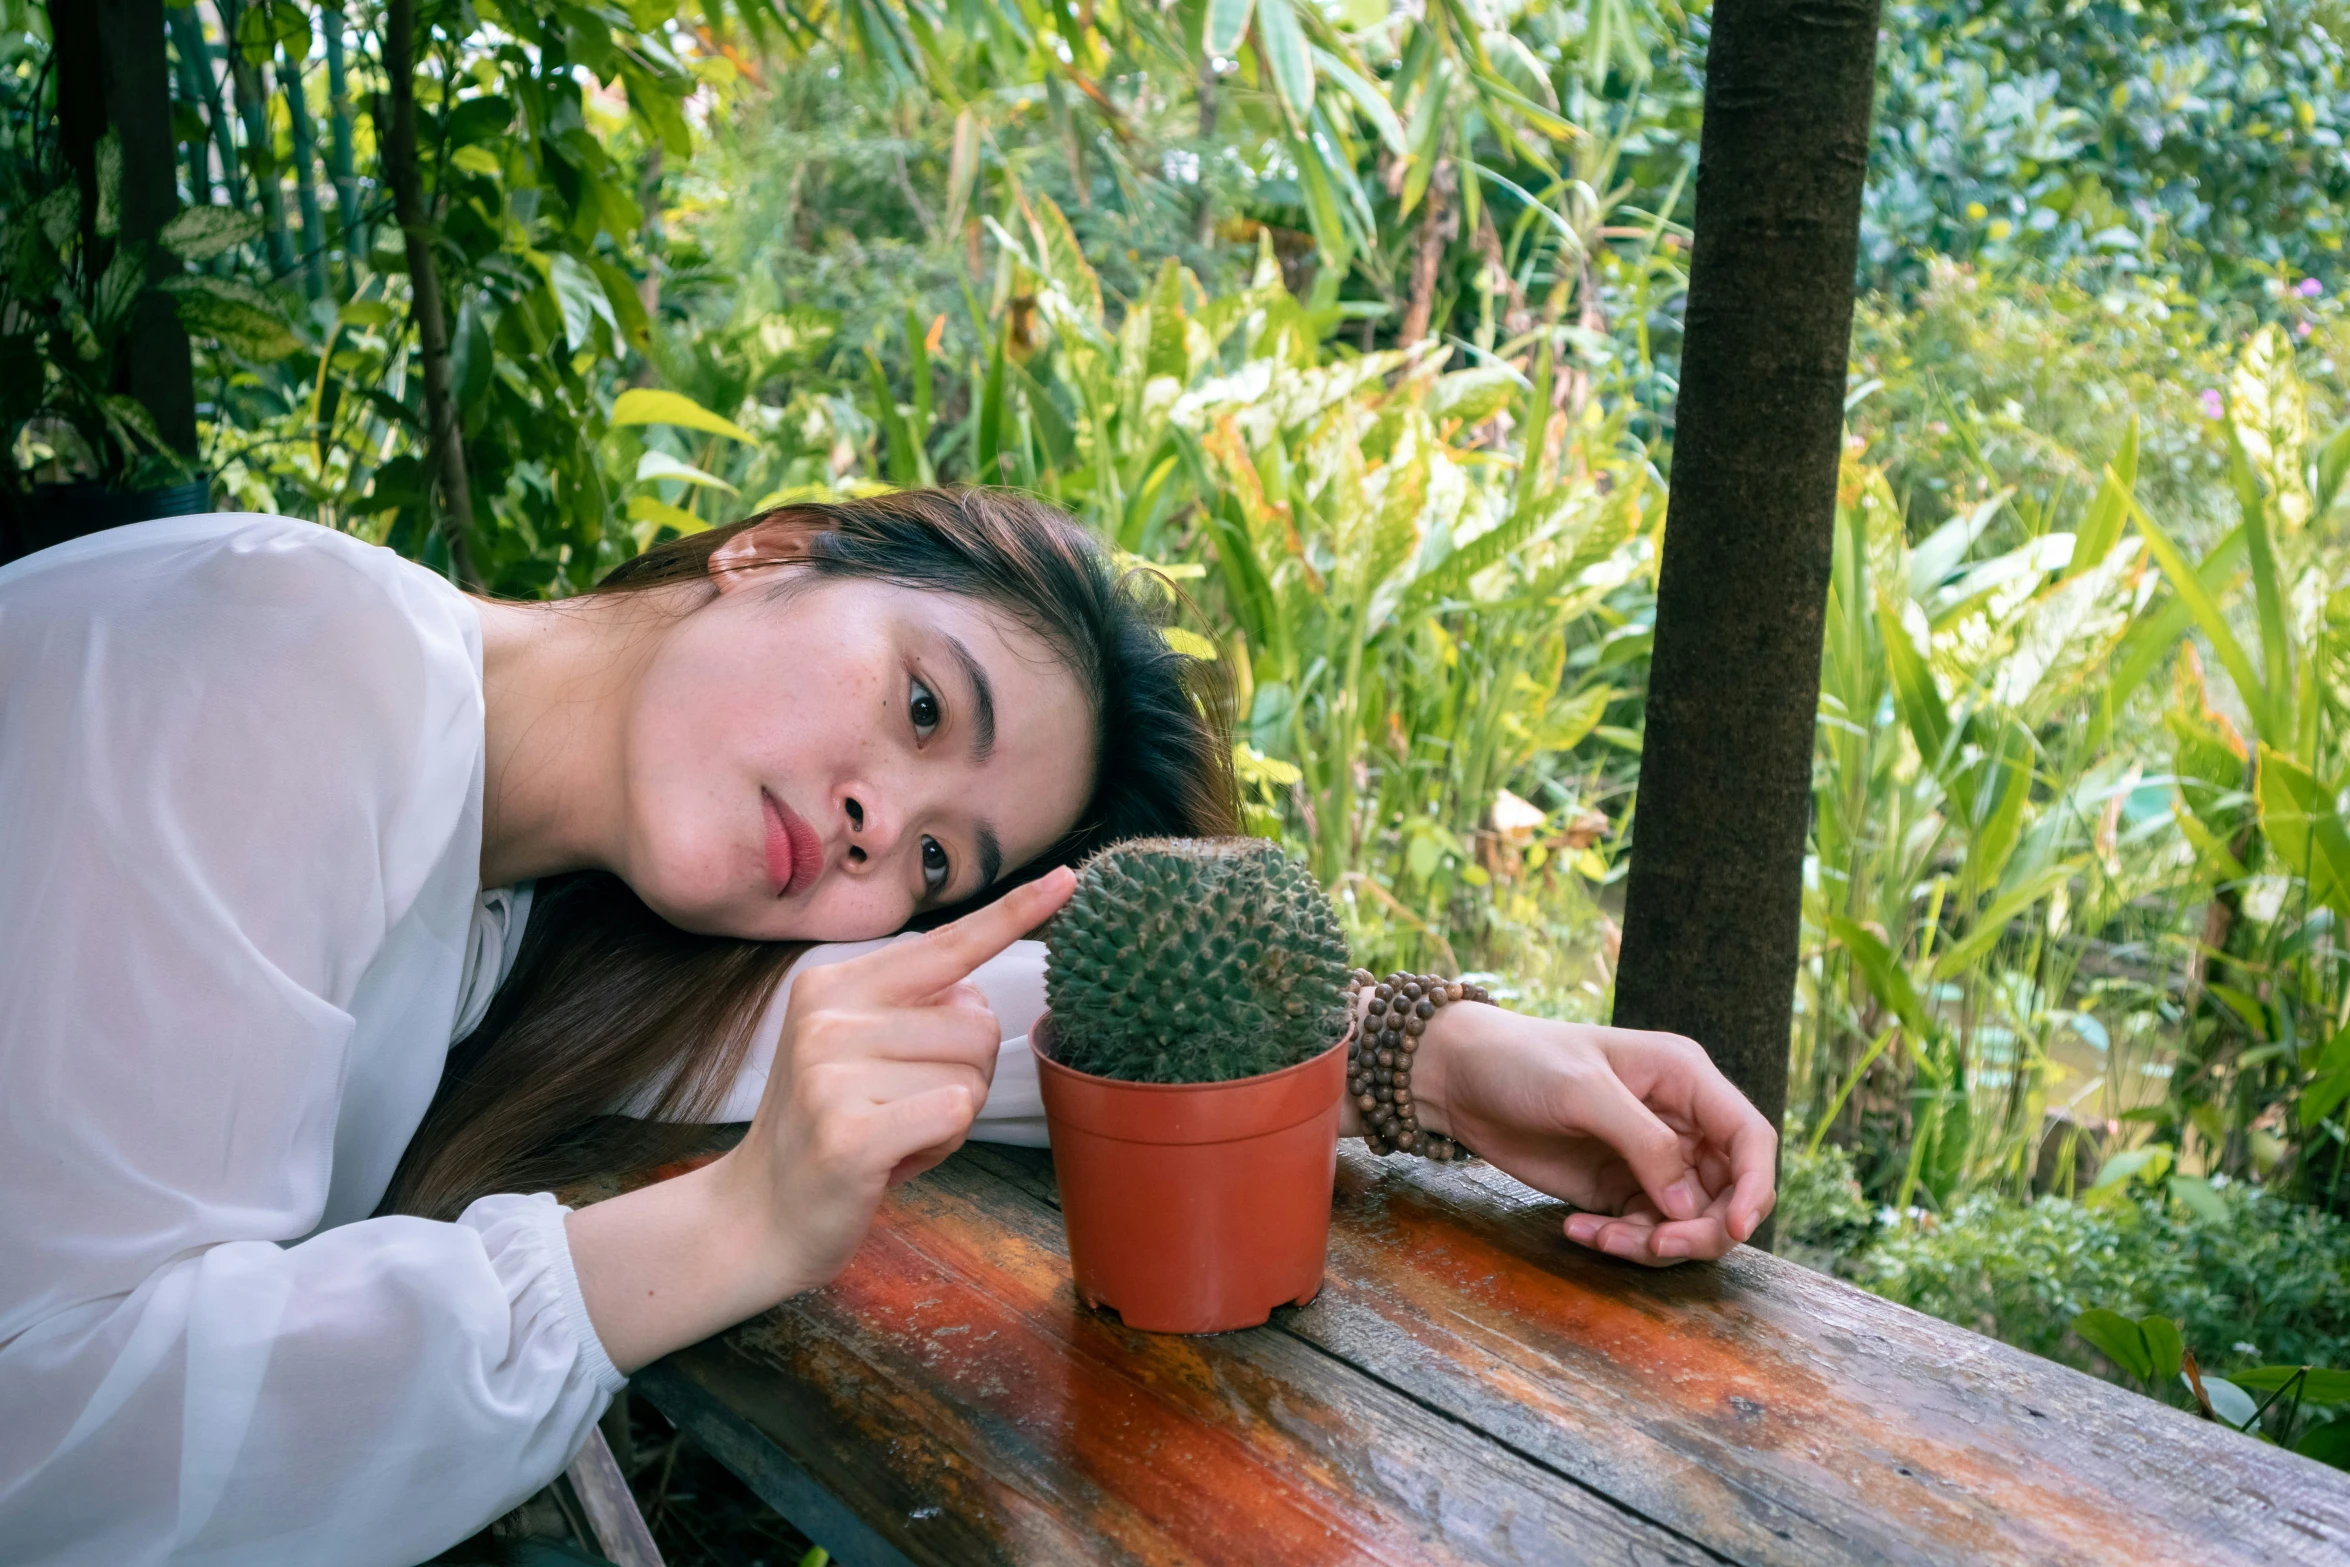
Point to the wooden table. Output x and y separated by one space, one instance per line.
1467 1388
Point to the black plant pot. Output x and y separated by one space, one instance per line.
53 513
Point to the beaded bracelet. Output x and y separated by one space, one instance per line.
1379 1060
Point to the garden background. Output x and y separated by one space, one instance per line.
1361 324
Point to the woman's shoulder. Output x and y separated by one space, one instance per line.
261 692
222 559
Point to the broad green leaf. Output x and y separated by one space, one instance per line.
1170 350
2333 460
579 295
2118 1339
900 457
1368 98
962 170
1282 44
2149 1163
2328 1442
1188 642
2228 1401
1992 923
1881 967
2164 1348
2306 832
200 233
1063 259
2198 1197
236 315
657 465
2318 1386
1914 691
2101 527
650 405
2329 1080
1227 25
647 508
2188 584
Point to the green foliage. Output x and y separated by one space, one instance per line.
1195 961
2262 1279
2198 139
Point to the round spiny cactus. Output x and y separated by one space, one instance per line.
1194 960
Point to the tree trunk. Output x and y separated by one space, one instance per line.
395 126
113 74
305 177
1713 909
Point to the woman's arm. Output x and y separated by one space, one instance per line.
1639 1130
882 1064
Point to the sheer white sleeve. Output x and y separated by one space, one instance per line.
1013 982
240 790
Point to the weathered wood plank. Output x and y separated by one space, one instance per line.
951 1392
1777 1415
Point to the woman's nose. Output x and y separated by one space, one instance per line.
871 831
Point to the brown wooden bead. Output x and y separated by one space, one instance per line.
1382 1076
1402 1077
1385 992
1411 1042
1414 1027
1412 990
1424 1009
1386 1058
1454 991
1439 996
1405 1138
1365 1103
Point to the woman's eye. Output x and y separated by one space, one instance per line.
924 708
935 866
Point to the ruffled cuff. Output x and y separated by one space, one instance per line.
531 1250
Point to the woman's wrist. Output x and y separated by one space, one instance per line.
672 1263
1439 1041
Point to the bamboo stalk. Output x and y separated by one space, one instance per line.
305 176
395 124
338 157
187 35
252 93
189 76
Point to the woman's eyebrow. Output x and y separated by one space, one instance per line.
982 719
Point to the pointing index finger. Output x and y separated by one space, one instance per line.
918 969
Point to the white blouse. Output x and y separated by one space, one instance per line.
241 921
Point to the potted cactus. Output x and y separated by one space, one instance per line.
1192 1058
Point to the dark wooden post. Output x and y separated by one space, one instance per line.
1713 908
113 74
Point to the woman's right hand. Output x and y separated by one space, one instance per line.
884 1062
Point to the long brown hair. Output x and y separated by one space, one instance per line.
609 1005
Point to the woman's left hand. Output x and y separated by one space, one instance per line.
1640 1131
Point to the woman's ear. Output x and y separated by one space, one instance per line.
756 553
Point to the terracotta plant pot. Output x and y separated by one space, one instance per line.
1194 1207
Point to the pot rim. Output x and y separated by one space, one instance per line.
1040 1037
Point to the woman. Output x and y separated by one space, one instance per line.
274 804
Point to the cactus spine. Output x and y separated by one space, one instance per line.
1195 961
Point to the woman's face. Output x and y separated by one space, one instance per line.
825 762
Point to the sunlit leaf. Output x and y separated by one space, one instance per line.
651 405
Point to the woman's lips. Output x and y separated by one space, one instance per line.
795 856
